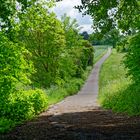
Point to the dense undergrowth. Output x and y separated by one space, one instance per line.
118 92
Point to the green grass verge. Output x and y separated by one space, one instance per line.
117 92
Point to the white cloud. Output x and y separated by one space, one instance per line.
67 6
86 27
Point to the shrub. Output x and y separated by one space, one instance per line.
16 102
122 45
88 54
73 86
24 105
6 124
38 99
14 69
132 58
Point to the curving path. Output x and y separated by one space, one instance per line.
79 117
86 99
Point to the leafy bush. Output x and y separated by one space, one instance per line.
23 105
16 103
38 99
132 58
74 85
6 124
122 45
88 54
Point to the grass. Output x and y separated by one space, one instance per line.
100 50
117 92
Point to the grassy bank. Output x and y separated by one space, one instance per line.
117 92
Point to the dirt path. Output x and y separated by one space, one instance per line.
79 117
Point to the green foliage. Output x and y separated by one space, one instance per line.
21 106
15 101
111 37
26 104
39 51
6 124
9 9
132 58
117 92
13 67
44 38
88 54
108 14
122 45
78 53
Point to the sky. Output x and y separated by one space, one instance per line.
66 6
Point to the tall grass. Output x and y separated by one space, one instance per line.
117 92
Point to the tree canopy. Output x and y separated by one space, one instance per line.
107 14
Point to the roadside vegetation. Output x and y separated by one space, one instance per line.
117 91
42 60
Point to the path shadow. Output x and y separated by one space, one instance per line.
96 124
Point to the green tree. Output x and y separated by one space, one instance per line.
132 58
111 38
14 70
107 14
123 14
8 8
44 38
76 48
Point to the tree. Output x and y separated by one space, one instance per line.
85 35
78 52
44 38
111 38
95 39
123 14
107 14
132 58
8 9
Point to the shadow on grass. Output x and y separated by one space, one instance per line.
96 124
